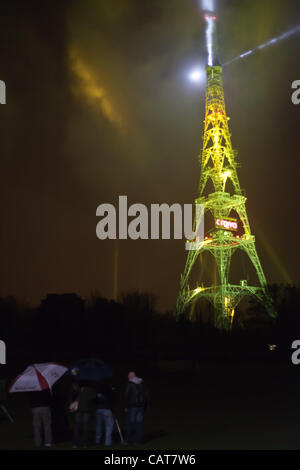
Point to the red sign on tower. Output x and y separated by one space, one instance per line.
227 224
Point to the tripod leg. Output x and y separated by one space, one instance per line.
119 430
5 411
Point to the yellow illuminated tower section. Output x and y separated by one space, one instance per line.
227 205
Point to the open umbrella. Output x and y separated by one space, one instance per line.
91 370
37 377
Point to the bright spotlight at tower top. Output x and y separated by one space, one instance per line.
211 38
208 11
197 75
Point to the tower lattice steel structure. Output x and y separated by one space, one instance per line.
218 164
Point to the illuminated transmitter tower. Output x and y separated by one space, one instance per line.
228 210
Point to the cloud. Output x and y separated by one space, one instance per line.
87 85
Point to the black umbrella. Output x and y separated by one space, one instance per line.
91 370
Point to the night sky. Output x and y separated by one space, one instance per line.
99 105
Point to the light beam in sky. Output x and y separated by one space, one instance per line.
210 25
208 5
265 44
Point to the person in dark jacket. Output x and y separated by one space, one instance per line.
104 403
83 406
40 403
136 401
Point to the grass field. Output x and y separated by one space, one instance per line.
219 406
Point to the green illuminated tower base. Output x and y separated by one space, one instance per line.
218 164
